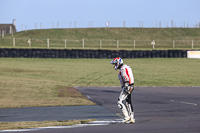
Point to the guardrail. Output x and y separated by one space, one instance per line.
98 44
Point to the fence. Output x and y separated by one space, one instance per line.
97 24
98 44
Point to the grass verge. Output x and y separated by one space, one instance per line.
36 124
49 82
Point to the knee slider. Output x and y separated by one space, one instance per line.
119 104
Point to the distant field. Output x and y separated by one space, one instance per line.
49 82
107 38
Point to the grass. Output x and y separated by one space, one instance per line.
36 124
163 36
50 82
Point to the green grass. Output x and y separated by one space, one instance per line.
36 124
143 37
114 33
48 82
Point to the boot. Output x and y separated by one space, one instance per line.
132 119
126 116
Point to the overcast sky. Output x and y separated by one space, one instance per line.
38 14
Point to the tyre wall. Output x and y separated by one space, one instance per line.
78 53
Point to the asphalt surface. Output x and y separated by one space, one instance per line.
157 110
55 113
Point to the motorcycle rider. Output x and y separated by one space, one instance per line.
127 84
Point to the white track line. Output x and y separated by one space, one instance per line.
94 123
194 104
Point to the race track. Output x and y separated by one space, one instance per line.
157 110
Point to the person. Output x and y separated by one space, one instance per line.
127 84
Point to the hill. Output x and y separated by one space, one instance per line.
143 36
115 33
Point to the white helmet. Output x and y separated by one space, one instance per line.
117 62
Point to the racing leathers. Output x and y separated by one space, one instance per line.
124 101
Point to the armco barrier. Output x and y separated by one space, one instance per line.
78 53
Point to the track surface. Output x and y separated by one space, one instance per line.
157 110
55 113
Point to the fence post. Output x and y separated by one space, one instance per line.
57 24
65 43
3 34
192 44
173 43
124 24
134 44
117 43
47 42
100 44
83 43
13 42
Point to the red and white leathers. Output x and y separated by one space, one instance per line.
125 75
124 101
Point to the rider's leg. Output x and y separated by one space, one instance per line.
123 95
130 108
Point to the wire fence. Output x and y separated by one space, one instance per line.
98 44
97 24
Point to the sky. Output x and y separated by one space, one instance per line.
44 14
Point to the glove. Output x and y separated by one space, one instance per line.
126 87
126 84
131 88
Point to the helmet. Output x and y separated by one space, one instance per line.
117 62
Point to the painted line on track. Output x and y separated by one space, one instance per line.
94 123
182 102
174 101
